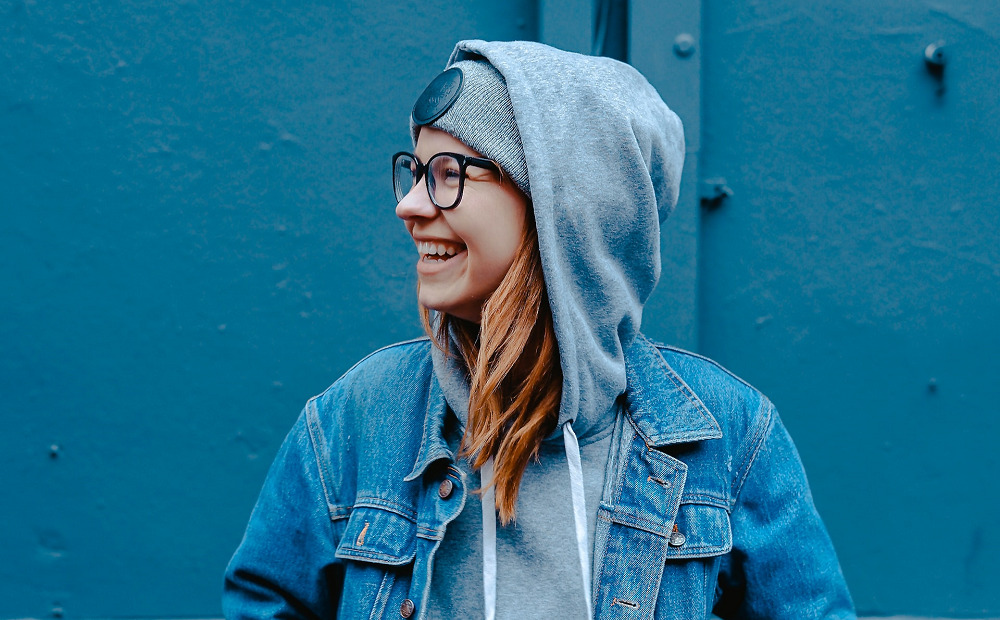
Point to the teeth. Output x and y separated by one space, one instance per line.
436 249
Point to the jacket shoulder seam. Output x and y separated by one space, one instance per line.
757 437
314 429
317 439
667 347
395 345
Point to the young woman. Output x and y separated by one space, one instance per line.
536 456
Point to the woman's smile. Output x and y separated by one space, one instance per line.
438 250
436 257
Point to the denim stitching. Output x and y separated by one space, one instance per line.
389 506
378 610
428 533
425 432
684 387
748 461
384 558
314 429
668 347
377 351
704 498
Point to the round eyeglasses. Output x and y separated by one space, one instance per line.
444 175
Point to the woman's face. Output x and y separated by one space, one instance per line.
464 252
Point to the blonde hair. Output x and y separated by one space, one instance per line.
515 378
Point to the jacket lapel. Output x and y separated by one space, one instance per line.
661 405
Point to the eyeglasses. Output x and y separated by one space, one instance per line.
444 175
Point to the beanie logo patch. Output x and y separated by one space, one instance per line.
438 97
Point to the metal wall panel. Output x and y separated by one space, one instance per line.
854 275
664 41
198 234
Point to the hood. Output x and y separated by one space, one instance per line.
604 156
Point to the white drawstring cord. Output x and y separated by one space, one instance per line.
579 510
489 540
579 522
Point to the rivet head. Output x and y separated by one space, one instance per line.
407 608
445 488
934 54
677 539
684 45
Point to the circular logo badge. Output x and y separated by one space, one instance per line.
439 95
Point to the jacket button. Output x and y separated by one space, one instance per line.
407 608
445 488
677 539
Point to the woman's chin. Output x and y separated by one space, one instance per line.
471 312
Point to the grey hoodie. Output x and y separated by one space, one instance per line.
604 157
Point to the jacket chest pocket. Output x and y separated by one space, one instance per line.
701 536
379 546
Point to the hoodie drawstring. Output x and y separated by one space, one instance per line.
579 510
579 522
489 540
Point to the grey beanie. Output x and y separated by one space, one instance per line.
469 100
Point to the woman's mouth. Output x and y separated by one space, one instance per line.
438 250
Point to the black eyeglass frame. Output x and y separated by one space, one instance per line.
464 161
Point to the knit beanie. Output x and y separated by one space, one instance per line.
469 100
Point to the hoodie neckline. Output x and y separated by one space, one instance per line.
663 407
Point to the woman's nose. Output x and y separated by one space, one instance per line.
416 203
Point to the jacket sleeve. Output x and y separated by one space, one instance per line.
285 567
783 564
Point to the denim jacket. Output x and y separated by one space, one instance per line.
705 506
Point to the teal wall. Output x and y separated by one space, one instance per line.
198 235
854 275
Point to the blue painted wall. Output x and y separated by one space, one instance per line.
198 235
854 275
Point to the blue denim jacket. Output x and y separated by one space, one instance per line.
705 505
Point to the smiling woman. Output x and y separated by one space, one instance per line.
466 250
476 472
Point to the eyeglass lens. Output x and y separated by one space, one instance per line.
444 178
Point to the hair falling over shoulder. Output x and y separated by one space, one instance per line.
515 377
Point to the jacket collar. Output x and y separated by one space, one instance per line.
432 443
663 408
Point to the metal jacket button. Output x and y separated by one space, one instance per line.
407 608
445 488
677 539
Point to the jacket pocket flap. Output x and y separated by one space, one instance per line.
378 535
701 531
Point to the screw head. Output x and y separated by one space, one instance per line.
684 45
934 54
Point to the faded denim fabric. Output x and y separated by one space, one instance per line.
705 504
